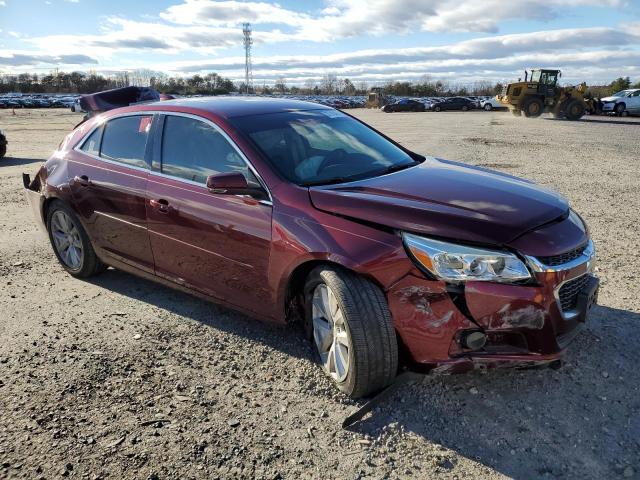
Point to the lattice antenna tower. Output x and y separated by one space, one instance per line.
248 41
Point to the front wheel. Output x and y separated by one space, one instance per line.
532 107
574 110
619 109
350 324
71 243
437 108
487 107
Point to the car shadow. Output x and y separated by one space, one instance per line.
581 421
13 161
279 337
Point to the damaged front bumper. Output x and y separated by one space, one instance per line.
526 325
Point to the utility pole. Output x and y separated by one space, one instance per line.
248 76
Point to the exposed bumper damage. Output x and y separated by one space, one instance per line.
525 325
34 197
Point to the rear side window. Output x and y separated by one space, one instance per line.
193 150
92 144
125 140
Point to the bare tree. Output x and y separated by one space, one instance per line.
328 83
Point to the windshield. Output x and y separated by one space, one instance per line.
315 147
621 93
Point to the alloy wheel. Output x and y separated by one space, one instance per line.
66 239
330 333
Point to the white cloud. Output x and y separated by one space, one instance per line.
202 29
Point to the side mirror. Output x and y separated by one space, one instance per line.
232 183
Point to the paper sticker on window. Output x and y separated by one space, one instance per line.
332 113
145 125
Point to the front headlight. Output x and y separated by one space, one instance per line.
457 263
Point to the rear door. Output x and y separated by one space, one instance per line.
109 172
216 243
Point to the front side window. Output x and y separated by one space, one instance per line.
322 146
125 140
193 150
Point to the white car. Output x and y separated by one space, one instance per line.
490 103
623 102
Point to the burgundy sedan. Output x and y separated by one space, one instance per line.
294 212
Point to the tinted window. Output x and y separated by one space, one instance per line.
92 144
125 139
193 150
321 146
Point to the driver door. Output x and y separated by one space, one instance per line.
217 244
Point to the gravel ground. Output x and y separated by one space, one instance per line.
121 378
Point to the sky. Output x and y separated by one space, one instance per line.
373 41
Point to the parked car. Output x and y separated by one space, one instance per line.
404 105
454 103
622 103
491 103
289 210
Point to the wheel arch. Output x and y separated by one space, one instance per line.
291 296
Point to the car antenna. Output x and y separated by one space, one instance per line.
401 380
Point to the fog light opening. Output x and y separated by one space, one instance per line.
473 339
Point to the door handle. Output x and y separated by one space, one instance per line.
82 180
161 205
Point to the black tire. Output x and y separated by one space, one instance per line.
90 263
574 109
437 108
487 107
465 108
373 358
532 107
3 149
619 109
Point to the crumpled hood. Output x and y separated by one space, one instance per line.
446 199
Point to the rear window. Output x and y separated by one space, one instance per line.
92 144
125 140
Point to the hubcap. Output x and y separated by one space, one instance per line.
66 239
330 333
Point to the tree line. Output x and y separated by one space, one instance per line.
214 84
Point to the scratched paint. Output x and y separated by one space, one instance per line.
525 317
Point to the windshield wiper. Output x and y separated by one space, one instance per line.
328 181
398 166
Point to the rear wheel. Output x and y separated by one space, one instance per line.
532 107
71 243
574 110
349 322
465 108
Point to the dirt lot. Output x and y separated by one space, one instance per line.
121 378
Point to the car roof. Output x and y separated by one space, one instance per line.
236 106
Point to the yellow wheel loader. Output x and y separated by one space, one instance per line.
540 93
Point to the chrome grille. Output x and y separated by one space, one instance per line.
568 293
563 257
